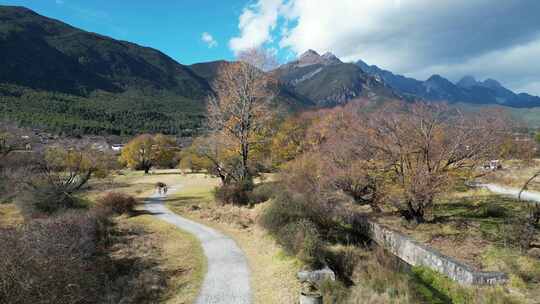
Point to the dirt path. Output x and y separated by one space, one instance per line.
513 192
227 279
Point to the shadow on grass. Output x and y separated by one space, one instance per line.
107 186
182 199
488 208
132 262
165 173
136 213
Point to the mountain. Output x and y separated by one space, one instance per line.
44 53
437 88
327 81
58 76
71 81
292 100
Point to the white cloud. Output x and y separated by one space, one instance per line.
256 24
209 40
486 38
516 67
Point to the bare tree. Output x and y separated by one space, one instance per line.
241 105
426 147
52 183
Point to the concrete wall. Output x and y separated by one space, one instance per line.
416 254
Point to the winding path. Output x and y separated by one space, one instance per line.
227 278
513 192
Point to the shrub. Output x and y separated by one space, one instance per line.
117 203
494 211
263 192
303 240
234 194
51 261
333 291
379 279
46 198
286 207
282 210
342 260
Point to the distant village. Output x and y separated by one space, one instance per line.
37 140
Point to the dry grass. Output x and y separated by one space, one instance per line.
477 227
515 174
10 216
272 272
178 254
135 183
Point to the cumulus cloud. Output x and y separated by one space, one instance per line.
485 38
256 23
209 40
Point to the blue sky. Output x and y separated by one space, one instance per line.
417 38
173 27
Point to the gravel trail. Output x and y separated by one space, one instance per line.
227 278
513 192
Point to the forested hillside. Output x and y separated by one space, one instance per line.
56 76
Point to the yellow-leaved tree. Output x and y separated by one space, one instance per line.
239 113
146 150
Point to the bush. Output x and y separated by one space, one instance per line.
342 260
334 292
494 211
117 203
51 261
45 198
234 194
287 207
379 279
263 192
303 240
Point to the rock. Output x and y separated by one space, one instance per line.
310 299
534 252
316 276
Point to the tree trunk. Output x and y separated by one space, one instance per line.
415 214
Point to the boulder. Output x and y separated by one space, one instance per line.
316 276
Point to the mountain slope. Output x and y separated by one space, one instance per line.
437 88
44 53
59 77
328 82
287 97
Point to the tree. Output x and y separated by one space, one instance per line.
52 183
240 110
338 136
145 151
290 139
427 147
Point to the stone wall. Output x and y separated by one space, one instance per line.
416 254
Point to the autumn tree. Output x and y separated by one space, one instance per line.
145 151
241 110
209 153
348 166
427 147
289 140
